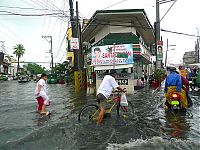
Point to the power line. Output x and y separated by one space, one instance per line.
168 10
28 8
61 18
179 33
19 14
165 1
109 6
50 17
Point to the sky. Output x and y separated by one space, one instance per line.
28 30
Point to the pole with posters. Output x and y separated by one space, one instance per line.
159 53
113 55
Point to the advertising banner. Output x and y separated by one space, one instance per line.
74 44
160 50
112 54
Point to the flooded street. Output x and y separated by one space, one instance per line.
21 128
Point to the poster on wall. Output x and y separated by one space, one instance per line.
160 50
112 54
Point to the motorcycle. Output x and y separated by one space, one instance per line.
192 83
175 102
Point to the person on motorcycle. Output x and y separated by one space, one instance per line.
173 83
185 87
105 90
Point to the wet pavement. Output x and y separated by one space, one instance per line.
21 128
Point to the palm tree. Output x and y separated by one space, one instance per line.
19 52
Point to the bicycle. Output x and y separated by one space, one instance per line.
91 112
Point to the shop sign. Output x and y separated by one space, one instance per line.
74 44
122 81
112 54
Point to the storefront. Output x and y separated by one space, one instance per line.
119 57
126 28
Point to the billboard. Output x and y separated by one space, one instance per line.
112 54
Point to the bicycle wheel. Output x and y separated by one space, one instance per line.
89 113
125 111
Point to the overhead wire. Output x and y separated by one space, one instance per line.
110 6
60 17
49 18
44 21
168 10
61 27
48 4
28 8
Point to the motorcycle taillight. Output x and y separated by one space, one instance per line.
176 96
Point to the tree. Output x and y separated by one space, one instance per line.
35 69
19 52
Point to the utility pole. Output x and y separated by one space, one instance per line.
166 54
2 47
157 20
198 47
50 51
74 34
2 52
157 32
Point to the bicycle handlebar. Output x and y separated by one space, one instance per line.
117 91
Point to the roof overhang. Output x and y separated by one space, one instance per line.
136 18
111 67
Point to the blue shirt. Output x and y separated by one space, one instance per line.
173 79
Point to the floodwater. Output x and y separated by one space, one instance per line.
21 128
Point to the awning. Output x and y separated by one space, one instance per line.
111 67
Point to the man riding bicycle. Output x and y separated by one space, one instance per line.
105 90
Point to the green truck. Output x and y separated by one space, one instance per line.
52 79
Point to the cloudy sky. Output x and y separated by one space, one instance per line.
28 30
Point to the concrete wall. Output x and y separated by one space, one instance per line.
112 29
129 87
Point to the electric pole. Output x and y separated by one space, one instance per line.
74 33
157 20
2 52
157 33
166 54
50 51
2 47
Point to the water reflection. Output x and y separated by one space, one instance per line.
176 125
42 120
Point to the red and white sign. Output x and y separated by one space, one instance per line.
74 43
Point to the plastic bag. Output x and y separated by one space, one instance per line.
47 102
123 101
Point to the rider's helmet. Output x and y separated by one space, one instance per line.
172 69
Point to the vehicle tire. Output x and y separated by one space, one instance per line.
89 113
126 112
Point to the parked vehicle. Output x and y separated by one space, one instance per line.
52 79
4 77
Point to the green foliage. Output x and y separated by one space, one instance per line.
19 51
159 74
35 68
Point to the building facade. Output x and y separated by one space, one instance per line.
190 57
114 30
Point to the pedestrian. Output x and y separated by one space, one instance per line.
143 77
41 96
